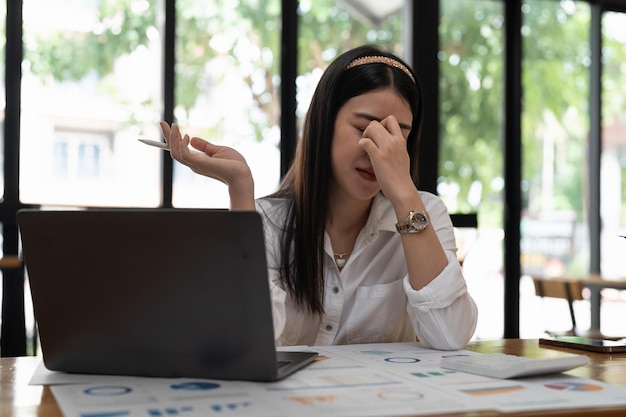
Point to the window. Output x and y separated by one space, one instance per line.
2 138
555 128
91 87
80 156
2 87
557 166
329 27
471 83
228 80
613 163
228 91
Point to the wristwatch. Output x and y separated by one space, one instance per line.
415 222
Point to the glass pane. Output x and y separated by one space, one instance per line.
470 169
91 87
330 27
3 14
555 128
228 85
613 168
227 90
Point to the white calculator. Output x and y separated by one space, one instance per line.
500 365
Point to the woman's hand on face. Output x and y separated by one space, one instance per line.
386 147
219 162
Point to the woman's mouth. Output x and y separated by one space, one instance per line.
367 174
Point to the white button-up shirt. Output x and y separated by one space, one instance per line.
370 299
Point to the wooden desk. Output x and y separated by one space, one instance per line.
17 398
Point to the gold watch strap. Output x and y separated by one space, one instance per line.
405 226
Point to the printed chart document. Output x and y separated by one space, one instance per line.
398 379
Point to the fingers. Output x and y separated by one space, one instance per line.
172 135
203 146
385 146
177 144
181 152
175 141
368 145
222 163
165 131
386 129
391 124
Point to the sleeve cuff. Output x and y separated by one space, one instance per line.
442 291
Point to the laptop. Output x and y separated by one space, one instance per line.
153 292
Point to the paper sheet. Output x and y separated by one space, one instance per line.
366 380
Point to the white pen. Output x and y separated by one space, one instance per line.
156 143
163 145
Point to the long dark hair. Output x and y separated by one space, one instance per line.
306 182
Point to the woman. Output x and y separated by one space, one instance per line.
355 253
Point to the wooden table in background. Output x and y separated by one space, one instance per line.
595 284
17 398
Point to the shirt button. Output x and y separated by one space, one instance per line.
335 290
329 327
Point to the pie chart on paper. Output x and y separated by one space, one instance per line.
574 386
195 386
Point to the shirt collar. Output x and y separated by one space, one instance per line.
379 218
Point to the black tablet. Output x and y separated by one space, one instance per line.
585 343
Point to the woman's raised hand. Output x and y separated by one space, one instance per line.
386 147
219 162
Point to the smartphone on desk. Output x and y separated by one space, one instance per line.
585 343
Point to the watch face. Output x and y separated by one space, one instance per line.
419 221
